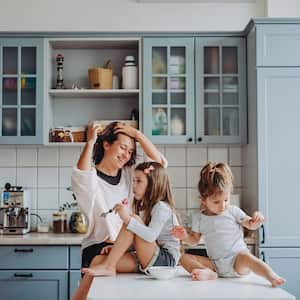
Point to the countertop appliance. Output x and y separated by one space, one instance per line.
14 210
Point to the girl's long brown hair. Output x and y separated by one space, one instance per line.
214 178
158 189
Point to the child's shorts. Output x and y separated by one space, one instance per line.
225 266
161 257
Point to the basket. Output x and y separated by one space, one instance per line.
68 134
100 78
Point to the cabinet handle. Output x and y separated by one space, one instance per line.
190 139
199 139
23 275
263 234
24 250
262 254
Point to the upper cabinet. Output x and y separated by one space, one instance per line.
220 82
195 90
21 91
74 98
168 98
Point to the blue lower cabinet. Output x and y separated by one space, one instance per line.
32 284
74 279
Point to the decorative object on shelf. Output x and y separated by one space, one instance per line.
177 125
60 79
67 134
129 73
160 122
115 82
101 78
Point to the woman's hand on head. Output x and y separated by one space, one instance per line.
123 212
92 133
126 129
179 232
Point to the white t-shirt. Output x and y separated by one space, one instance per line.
94 196
223 235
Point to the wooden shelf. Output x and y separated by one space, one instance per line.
91 93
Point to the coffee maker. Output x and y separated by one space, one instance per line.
14 210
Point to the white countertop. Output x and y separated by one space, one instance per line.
36 238
141 287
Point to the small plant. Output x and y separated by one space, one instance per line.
68 205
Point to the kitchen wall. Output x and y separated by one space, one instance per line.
46 171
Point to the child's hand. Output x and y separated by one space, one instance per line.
256 220
122 210
105 250
179 232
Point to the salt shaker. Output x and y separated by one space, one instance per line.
129 73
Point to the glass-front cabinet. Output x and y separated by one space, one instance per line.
168 106
220 90
21 91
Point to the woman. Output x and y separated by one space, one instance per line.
101 186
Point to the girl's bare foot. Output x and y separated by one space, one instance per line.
99 270
204 274
277 281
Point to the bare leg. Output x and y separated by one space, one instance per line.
246 261
86 281
200 267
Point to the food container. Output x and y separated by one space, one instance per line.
68 134
100 78
59 220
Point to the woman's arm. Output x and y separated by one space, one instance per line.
85 160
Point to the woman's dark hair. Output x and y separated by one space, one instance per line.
108 135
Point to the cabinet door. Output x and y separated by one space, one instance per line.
74 280
286 263
28 285
21 91
220 90
168 100
278 109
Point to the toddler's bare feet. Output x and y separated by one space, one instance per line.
204 274
99 270
277 281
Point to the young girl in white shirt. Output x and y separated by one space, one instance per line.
148 229
221 225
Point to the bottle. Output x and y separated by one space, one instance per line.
129 73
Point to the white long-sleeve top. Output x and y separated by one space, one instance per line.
163 219
94 196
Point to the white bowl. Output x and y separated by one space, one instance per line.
162 272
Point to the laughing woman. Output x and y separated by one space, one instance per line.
102 178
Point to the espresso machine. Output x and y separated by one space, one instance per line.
14 210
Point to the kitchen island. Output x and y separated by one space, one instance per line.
141 287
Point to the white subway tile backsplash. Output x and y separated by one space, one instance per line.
235 156
27 177
7 175
65 177
47 157
180 198
193 176
69 156
8 157
65 196
33 198
196 156
48 199
48 177
193 200
26 157
176 156
177 176
218 155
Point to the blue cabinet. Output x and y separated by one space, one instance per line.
21 91
286 262
168 98
75 265
203 104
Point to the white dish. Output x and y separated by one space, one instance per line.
162 272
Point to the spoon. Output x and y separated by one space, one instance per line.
104 214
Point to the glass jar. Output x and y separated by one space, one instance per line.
59 222
78 223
